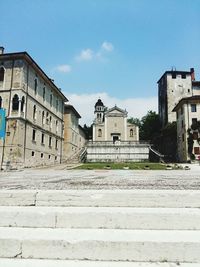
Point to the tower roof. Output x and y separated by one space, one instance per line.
99 103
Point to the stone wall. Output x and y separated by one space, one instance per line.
117 152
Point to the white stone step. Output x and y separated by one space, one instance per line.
66 263
101 244
106 198
101 217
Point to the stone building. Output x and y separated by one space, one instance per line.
34 113
115 140
172 87
111 124
188 128
74 136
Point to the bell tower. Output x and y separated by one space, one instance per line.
99 111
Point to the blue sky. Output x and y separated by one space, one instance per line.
116 49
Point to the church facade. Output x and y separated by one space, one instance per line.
114 139
111 125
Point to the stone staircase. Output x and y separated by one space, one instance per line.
100 228
77 157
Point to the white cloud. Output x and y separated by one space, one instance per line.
64 68
136 107
85 55
107 46
89 54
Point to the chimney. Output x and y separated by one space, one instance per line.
1 50
192 74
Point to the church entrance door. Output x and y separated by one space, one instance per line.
115 138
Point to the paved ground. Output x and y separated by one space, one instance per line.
60 178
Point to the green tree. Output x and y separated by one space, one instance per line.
150 126
135 121
88 131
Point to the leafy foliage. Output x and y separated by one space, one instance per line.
149 125
88 131
135 121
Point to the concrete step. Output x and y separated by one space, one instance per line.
101 244
66 263
100 217
102 198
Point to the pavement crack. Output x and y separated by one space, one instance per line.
19 255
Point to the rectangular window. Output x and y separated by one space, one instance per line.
50 141
195 135
183 138
196 150
182 123
56 146
42 139
173 75
183 76
34 135
193 108
194 121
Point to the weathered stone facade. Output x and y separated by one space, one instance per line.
172 87
74 136
34 113
188 128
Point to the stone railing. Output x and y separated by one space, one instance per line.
117 143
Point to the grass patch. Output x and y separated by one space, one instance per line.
121 166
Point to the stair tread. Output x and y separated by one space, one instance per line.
79 263
79 210
106 235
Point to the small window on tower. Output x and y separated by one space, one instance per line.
173 75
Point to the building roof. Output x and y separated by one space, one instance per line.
116 108
178 72
25 56
70 107
191 99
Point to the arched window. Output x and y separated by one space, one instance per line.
99 133
35 85
2 71
44 93
131 132
22 103
43 119
34 112
15 103
0 102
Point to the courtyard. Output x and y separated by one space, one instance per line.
60 178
